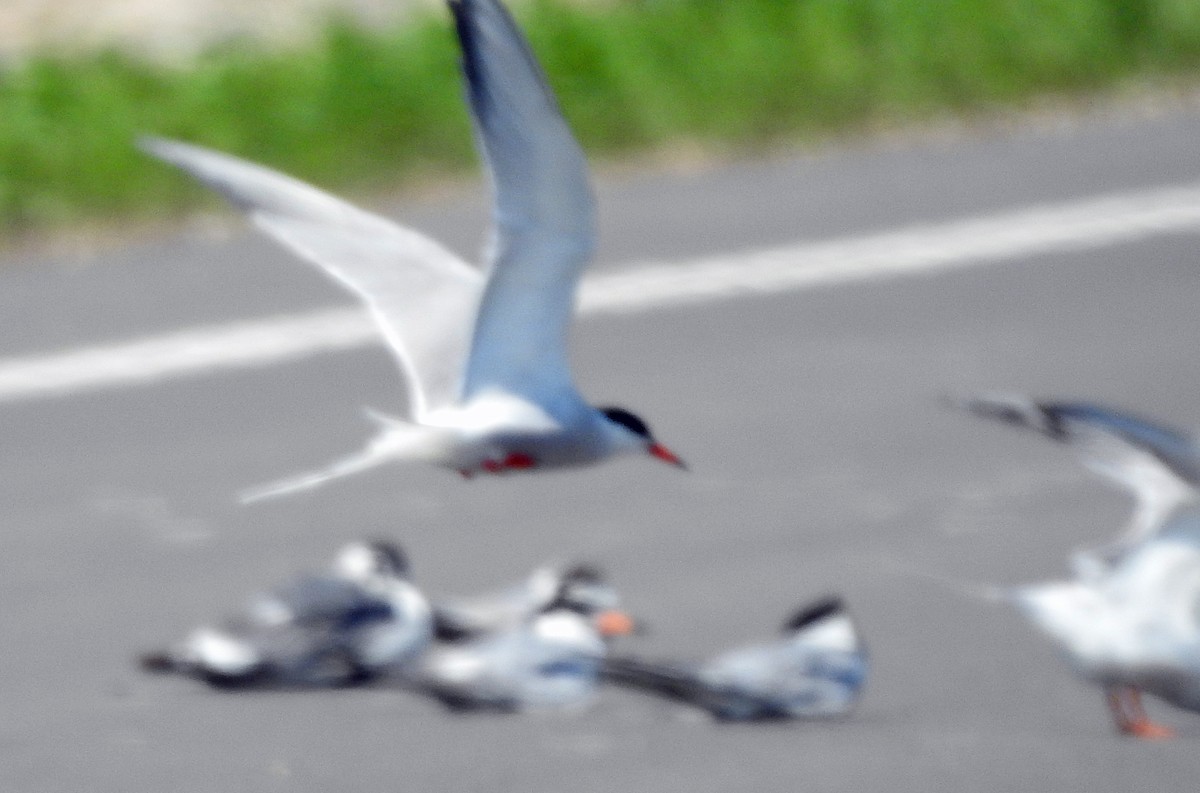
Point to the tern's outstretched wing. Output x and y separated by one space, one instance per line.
1159 466
459 619
543 231
320 603
422 296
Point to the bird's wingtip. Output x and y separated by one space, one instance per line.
278 488
156 146
158 662
955 400
983 402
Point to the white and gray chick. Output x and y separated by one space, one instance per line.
817 668
551 659
465 618
360 620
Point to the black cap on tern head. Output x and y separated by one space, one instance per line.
639 428
627 420
390 557
583 573
814 612
567 599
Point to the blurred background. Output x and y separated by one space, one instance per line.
361 94
175 30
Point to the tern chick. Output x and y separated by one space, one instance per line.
361 620
816 668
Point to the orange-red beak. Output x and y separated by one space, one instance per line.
614 622
666 455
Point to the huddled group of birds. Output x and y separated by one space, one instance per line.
542 643
484 353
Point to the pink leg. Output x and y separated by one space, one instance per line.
1125 703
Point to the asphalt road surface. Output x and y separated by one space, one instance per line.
821 462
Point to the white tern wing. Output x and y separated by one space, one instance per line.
1156 487
543 230
1157 466
422 296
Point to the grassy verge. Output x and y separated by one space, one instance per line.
364 108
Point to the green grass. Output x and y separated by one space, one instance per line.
361 109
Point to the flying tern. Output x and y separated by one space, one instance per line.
361 620
484 352
817 668
1127 621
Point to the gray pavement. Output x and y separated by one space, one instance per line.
821 461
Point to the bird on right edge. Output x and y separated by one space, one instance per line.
1128 621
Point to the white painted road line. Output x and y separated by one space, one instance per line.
1073 226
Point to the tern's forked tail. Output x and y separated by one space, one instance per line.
396 437
351 464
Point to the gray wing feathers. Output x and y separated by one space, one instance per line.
1155 465
422 296
324 599
1157 490
543 231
